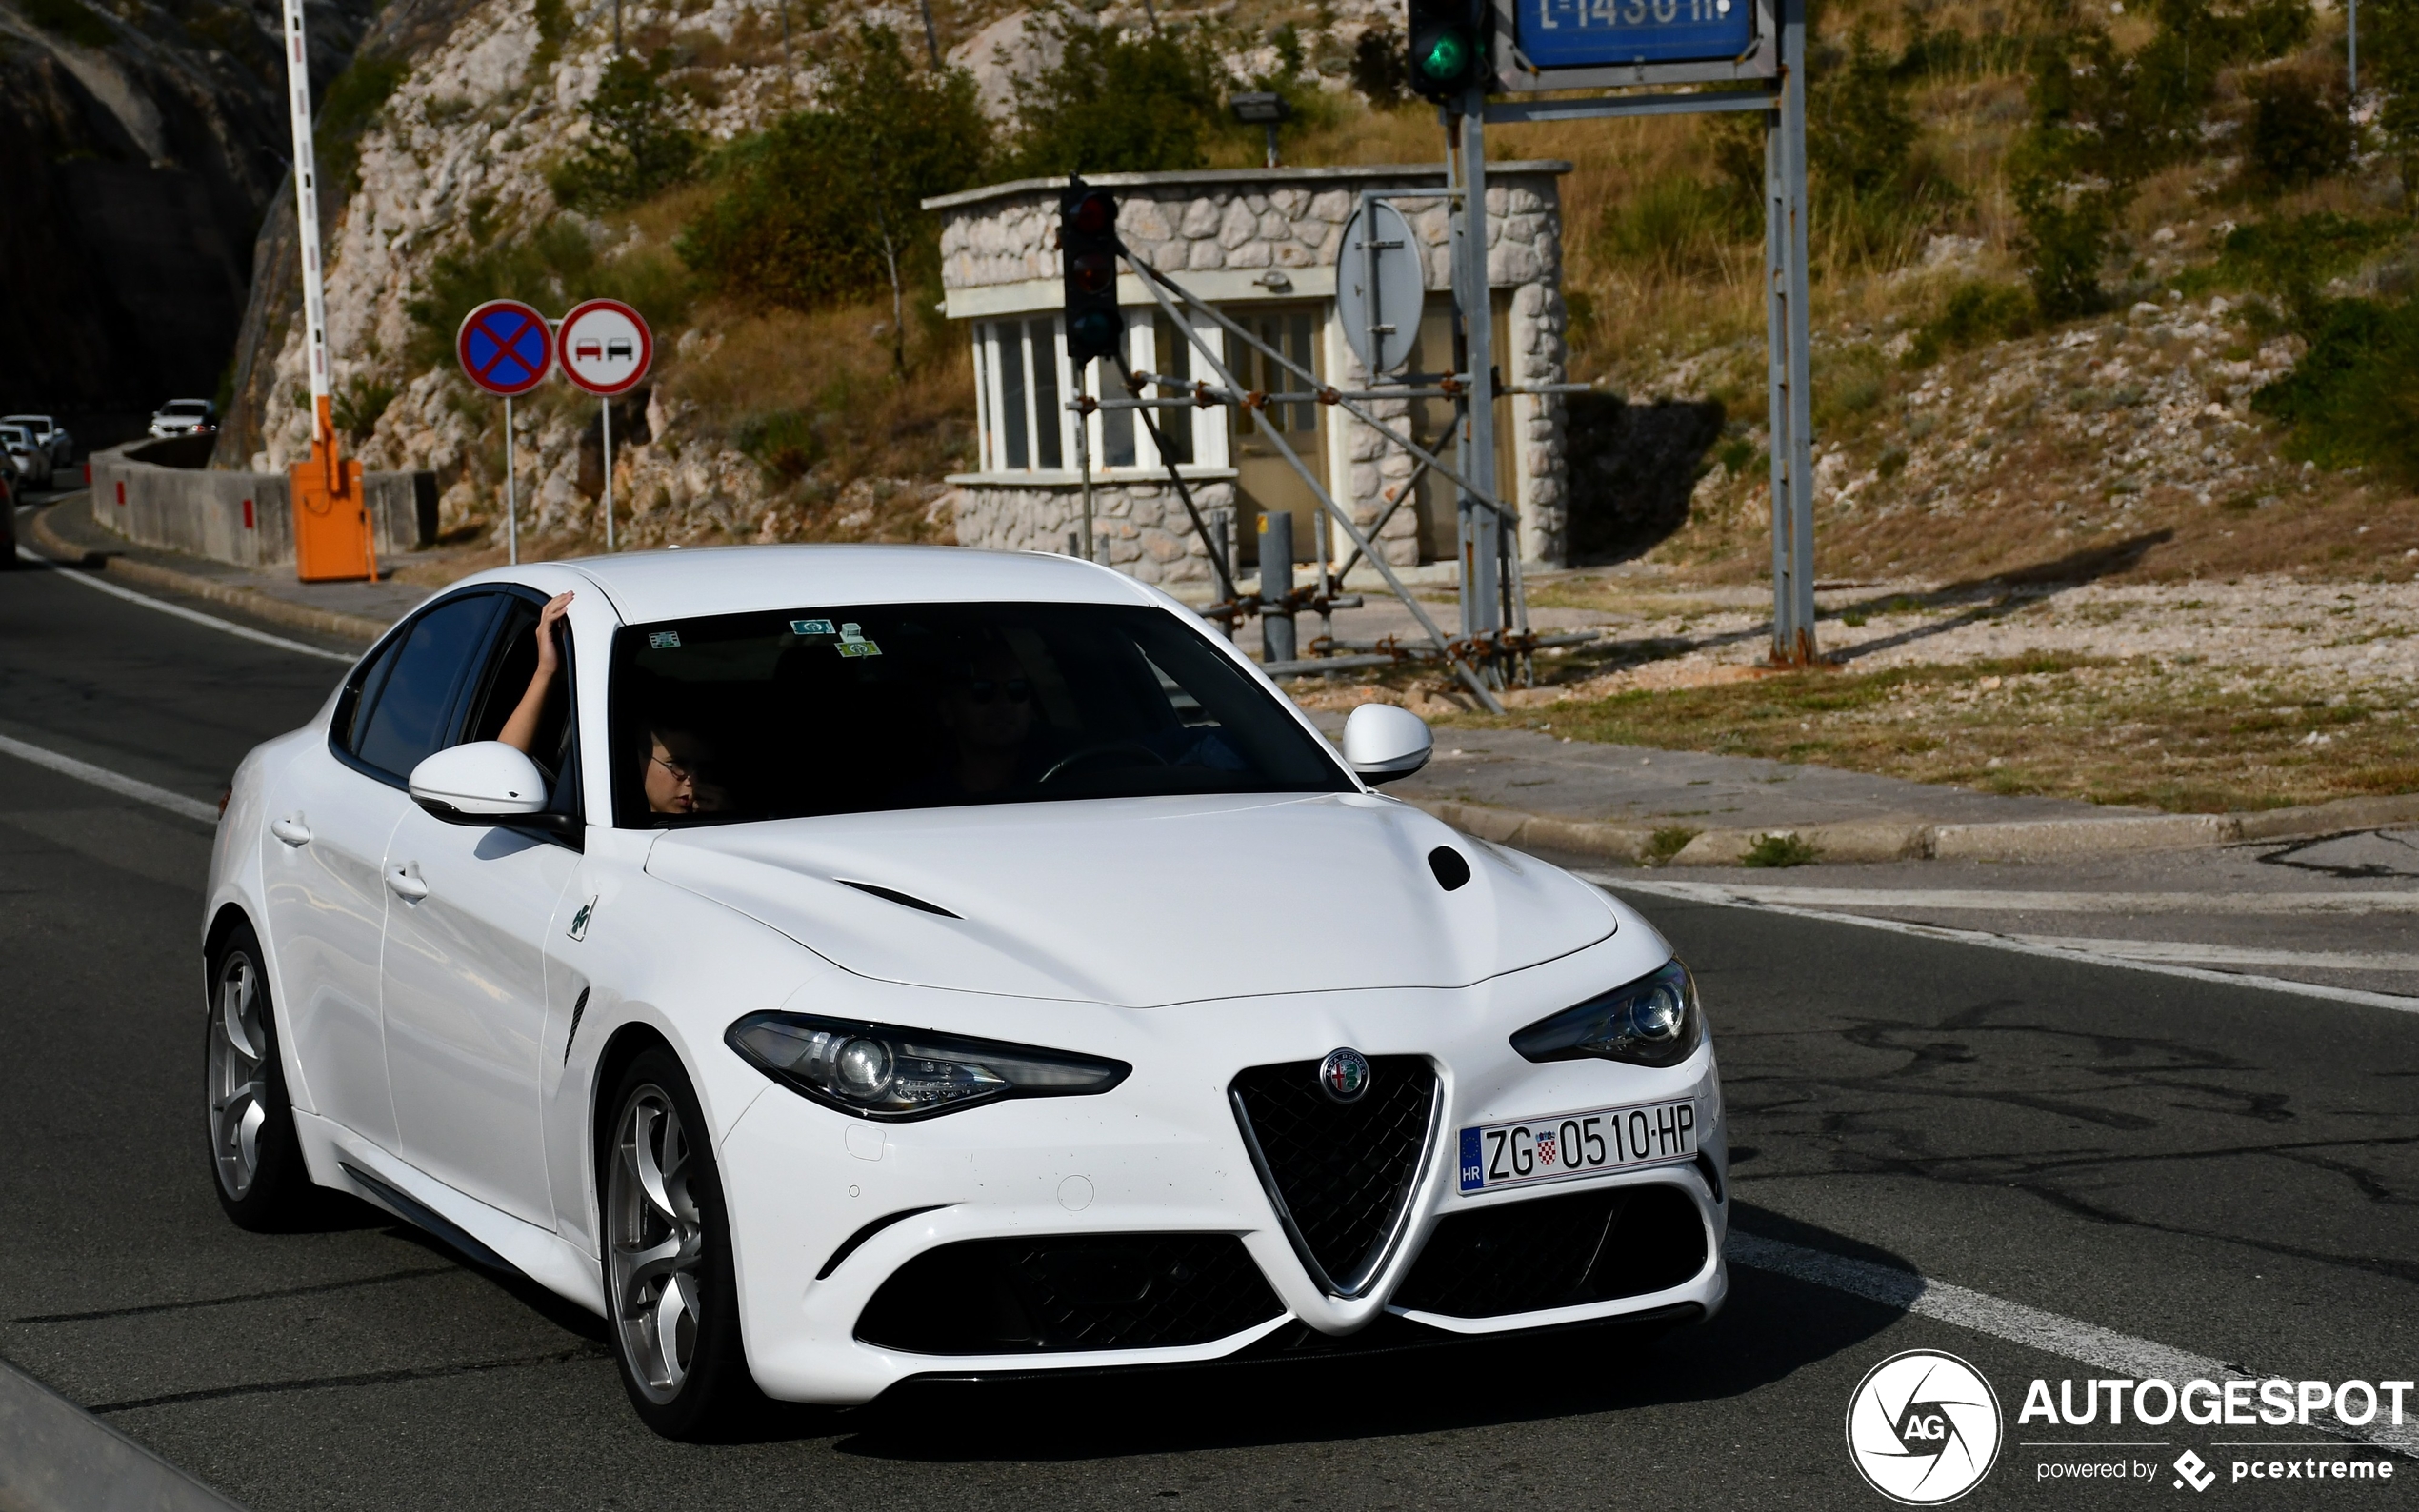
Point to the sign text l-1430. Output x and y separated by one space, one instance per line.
1593 33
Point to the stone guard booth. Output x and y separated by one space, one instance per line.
1261 245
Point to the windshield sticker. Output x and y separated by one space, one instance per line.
812 627
662 639
853 642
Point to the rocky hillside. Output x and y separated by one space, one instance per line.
140 142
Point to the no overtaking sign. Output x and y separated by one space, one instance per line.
605 348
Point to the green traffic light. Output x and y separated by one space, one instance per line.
1447 57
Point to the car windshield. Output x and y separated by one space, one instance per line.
185 406
830 710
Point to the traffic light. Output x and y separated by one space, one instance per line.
1088 253
1448 49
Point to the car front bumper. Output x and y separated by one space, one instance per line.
826 1208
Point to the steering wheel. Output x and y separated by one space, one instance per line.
1092 753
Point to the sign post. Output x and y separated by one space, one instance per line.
605 348
506 349
1626 48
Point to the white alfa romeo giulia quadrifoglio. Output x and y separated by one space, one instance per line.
834 965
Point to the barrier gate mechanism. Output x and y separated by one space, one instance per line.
333 539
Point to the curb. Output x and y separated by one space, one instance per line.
56 1457
250 600
1890 838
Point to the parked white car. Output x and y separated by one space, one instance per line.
51 436
27 457
890 961
184 417
48 433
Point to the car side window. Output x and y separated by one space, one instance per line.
512 660
412 712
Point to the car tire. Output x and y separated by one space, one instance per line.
256 1163
671 1293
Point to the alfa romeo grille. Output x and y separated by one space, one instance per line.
1090 1291
1340 1174
1556 1252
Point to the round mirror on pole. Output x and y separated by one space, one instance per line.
1379 288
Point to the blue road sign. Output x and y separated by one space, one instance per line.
504 346
1596 34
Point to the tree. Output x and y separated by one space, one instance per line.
829 203
1119 104
635 147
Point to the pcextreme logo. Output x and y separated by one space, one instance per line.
1923 1427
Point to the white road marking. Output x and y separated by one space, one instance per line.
230 626
115 782
1984 899
2219 955
1697 892
2050 1333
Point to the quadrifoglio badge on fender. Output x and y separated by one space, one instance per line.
1560 1146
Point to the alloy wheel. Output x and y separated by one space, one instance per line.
238 1073
658 1243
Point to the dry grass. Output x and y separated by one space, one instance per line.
2167 737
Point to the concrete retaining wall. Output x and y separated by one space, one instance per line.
246 518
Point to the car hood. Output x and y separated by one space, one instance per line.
1143 901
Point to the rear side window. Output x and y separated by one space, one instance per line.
410 709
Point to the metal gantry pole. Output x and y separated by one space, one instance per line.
1481 528
1084 453
1790 332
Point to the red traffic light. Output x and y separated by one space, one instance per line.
1095 214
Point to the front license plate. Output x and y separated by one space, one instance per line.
1561 1145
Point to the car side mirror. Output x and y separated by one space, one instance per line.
485 782
1383 743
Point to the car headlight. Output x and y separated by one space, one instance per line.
876 1070
1653 1020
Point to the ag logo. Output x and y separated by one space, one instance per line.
2191 1466
1923 1427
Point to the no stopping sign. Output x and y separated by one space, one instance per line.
504 346
605 348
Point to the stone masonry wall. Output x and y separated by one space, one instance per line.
1195 224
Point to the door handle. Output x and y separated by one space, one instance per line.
405 882
292 831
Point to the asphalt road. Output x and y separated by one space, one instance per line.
2215 1168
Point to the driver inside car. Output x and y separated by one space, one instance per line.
988 711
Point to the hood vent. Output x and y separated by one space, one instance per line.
894 895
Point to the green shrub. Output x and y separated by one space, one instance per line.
1780 851
1871 189
1119 104
1380 69
635 148
786 444
2065 244
355 407
347 111
2299 135
71 19
1977 313
2353 398
1666 843
827 204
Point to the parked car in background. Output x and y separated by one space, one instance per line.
26 455
185 417
52 436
